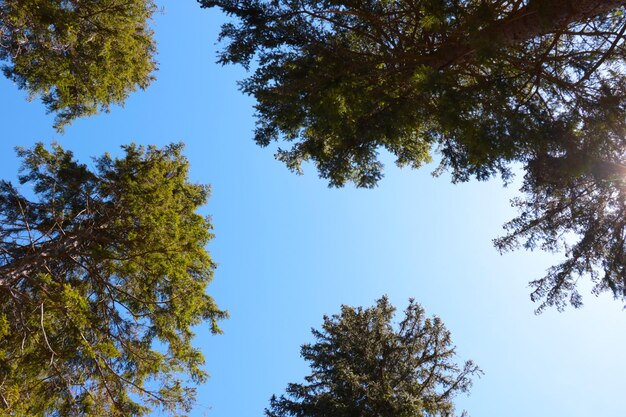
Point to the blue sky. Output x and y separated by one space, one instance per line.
290 250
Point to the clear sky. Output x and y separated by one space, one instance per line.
290 250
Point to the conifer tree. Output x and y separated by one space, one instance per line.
79 56
103 275
364 365
486 84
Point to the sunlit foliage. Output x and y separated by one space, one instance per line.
485 84
362 364
79 56
103 275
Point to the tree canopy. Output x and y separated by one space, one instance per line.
103 274
79 56
486 84
362 364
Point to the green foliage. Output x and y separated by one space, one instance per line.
78 56
102 278
479 80
486 84
576 202
363 366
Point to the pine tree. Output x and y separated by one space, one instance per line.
103 274
362 365
487 84
79 56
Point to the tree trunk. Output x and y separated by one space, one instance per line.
35 261
538 18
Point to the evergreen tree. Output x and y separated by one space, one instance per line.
79 56
103 274
361 365
487 84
